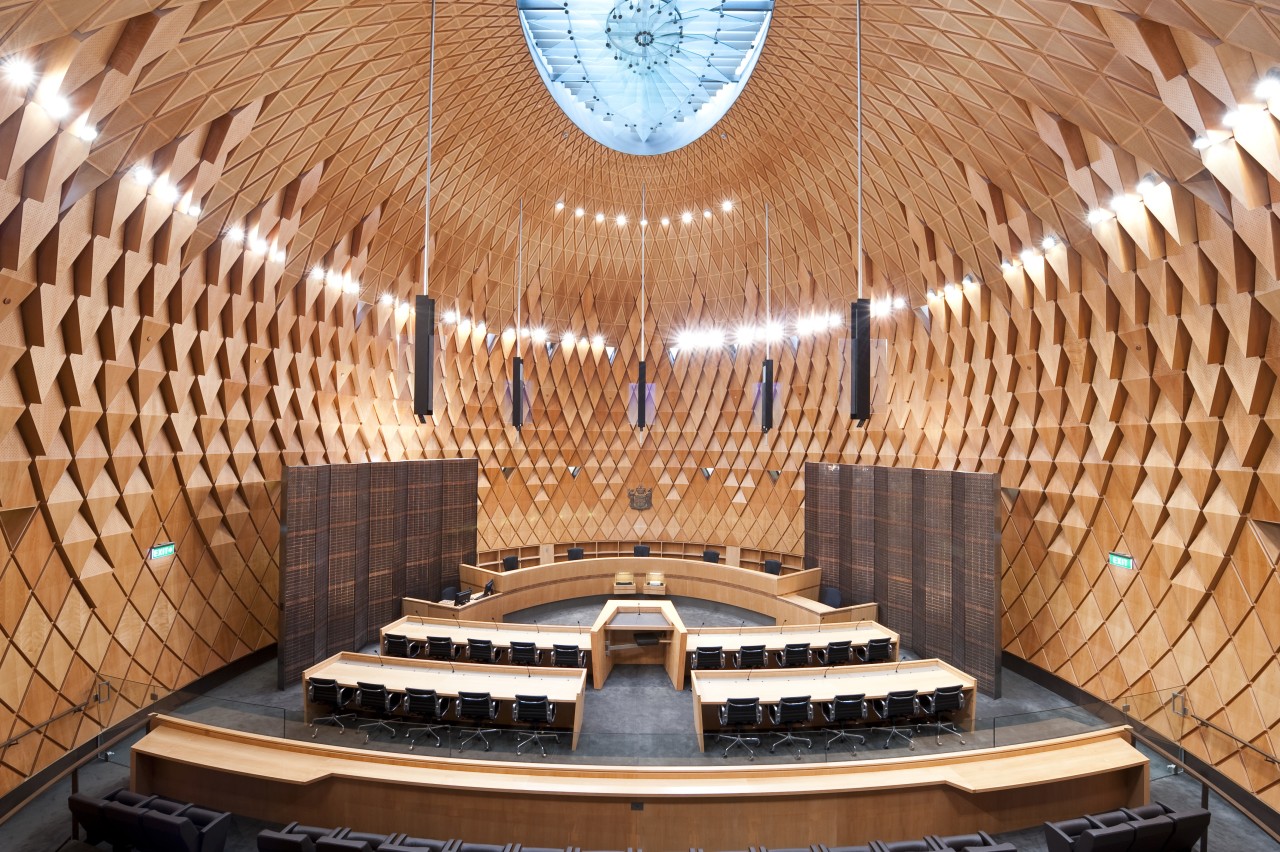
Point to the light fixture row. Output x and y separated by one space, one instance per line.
338 280
713 337
1266 90
256 244
1126 202
1030 255
164 190
22 74
466 325
949 289
621 219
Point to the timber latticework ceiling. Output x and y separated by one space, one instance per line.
158 374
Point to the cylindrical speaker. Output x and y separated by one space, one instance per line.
424 357
517 392
766 396
860 360
642 396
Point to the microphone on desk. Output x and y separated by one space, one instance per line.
741 624
535 627
378 654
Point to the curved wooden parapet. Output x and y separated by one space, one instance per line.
612 807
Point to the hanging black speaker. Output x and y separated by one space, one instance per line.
766 396
424 357
860 361
517 392
642 396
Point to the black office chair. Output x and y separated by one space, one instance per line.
707 659
842 713
773 566
794 654
482 651
477 707
789 712
538 713
423 705
323 690
750 657
640 550
442 648
576 553
401 646
830 596
834 654
897 707
712 556
736 715
525 654
511 563
944 699
374 698
876 650
448 593
568 657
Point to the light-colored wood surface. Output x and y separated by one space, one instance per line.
718 807
604 634
564 687
711 689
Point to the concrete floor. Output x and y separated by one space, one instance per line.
637 718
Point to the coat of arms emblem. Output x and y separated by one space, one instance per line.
641 497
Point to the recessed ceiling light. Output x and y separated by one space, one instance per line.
235 234
1048 243
87 132
666 221
597 340
57 106
538 335
726 205
706 214
1098 215
450 316
568 339
686 217
620 220
899 302
559 206
578 211
19 71
142 175
599 217
388 299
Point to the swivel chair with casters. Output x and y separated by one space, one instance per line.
944 699
750 657
423 705
842 713
482 651
712 556
511 563
323 690
568 657
789 712
525 654
374 698
835 653
707 659
794 655
895 708
773 566
442 648
539 714
640 550
736 715
477 707
401 646
876 651
576 553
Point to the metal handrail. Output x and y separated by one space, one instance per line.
1186 711
96 696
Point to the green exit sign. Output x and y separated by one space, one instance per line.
161 551
1120 560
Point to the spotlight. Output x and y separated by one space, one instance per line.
559 206
597 340
644 223
87 132
810 325
1028 256
1098 215
773 332
666 220
1201 142
538 335
351 288
1149 184
19 71
193 209
969 281
278 255
879 308
834 320
508 333
706 214
1268 87
257 245
318 273
1049 243
1008 265
142 175
620 220
235 234
745 335
567 339
1243 113
57 106
387 299
480 326
1123 203
686 217
579 212
726 206
899 303
450 316
599 218
166 192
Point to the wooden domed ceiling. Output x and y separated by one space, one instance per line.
161 364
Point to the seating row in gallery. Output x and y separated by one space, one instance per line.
1154 827
126 820
304 838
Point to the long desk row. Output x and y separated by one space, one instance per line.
611 807
562 687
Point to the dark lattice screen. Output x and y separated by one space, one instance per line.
356 539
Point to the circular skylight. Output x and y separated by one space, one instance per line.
645 77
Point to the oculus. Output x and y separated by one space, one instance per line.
645 77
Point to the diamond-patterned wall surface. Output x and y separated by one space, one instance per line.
166 350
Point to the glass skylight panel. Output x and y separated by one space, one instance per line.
645 78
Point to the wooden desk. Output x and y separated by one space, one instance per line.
592 806
417 628
564 687
712 689
618 623
774 639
